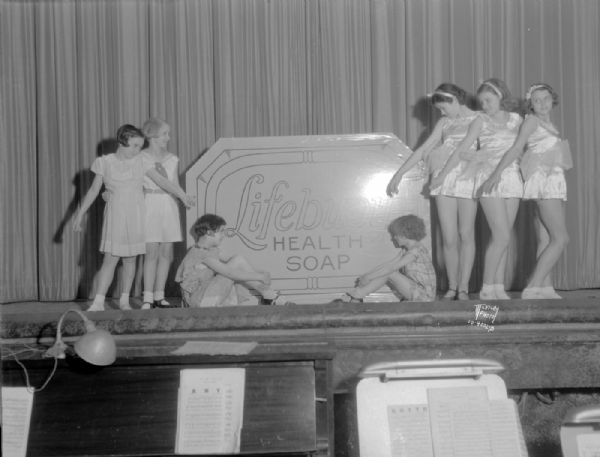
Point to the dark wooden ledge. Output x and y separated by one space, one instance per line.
543 344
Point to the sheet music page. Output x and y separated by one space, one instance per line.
410 432
210 411
464 422
507 434
460 421
17 404
588 445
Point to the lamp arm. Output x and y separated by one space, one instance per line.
57 350
89 325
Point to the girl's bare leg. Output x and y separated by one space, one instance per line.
136 289
398 281
104 278
448 210
467 210
497 217
241 263
372 286
543 241
127 281
150 266
552 214
165 257
401 284
511 208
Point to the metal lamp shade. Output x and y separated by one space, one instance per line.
97 347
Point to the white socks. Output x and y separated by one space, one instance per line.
535 292
493 292
98 304
487 292
531 293
157 296
549 292
147 297
124 302
500 292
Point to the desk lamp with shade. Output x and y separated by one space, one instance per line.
96 346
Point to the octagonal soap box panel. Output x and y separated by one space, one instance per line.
311 210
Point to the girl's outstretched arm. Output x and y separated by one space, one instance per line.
527 128
433 140
236 274
87 201
171 187
465 144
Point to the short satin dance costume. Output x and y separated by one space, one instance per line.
453 132
495 140
543 164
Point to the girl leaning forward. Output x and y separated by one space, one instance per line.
496 130
456 206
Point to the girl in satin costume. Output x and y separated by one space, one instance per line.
542 166
456 206
496 130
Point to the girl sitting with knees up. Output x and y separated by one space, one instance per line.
207 279
410 273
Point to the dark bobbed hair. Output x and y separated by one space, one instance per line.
127 131
408 226
460 94
542 86
507 102
205 224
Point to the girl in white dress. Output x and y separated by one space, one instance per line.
162 225
456 206
496 130
123 225
542 166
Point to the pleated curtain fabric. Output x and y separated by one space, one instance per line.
73 71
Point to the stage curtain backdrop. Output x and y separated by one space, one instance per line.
73 71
